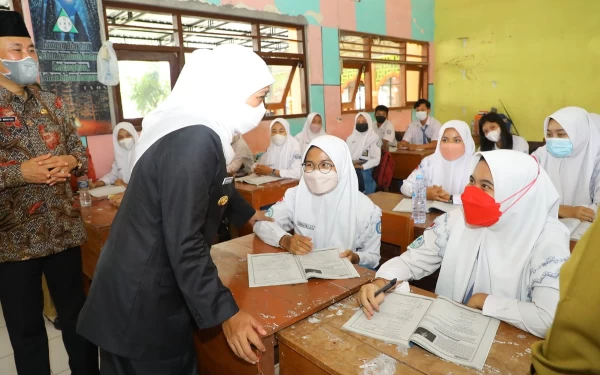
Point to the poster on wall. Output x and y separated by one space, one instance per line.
67 39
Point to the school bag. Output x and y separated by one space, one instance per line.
384 172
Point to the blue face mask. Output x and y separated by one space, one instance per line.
559 147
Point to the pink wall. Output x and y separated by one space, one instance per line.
103 153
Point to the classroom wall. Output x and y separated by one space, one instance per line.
535 55
411 19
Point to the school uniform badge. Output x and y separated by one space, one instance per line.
417 243
269 212
223 200
378 228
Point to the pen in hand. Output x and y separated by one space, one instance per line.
386 287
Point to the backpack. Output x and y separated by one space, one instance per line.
384 172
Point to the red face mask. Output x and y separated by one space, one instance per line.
482 210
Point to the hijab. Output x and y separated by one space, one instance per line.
454 175
123 157
358 142
281 157
306 135
345 201
572 175
212 90
502 252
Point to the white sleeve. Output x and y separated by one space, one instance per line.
457 199
423 257
408 134
436 126
282 213
407 184
111 176
520 144
368 243
295 170
390 134
374 156
534 317
595 186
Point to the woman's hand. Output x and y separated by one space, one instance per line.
263 170
366 297
351 256
297 244
577 212
477 301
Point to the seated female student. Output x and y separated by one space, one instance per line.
496 136
282 158
243 160
313 128
365 149
501 254
326 209
447 171
571 158
125 138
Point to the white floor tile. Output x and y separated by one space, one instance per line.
7 366
2 322
68 372
51 331
5 346
59 360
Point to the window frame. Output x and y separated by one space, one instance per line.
368 72
296 60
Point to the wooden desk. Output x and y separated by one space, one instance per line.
324 348
407 161
263 195
274 307
97 220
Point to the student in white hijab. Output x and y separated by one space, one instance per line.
365 149
327 192
313 128
447 171
282 158
155 281
243 160
501 255
125 138
571 158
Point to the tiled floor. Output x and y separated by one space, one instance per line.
59 361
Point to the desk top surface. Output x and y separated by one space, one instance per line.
387 202
321 340
99 215
277 307
421 153
285 183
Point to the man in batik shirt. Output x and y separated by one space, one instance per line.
40 231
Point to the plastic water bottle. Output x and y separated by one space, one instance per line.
419 200
85 198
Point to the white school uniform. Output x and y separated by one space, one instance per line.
576 177
306 135
365 146
414 133
318 217
387 132
516 261
123 164
286 158
452 176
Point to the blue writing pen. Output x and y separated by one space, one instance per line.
386 287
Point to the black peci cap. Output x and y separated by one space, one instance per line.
12 24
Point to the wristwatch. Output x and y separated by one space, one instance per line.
79 164
273 173
451 200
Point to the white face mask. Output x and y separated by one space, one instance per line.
320 183
493 135
421 115
315 128
245 118
278 139
126 143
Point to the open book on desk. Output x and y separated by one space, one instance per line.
577 228
406 205
105 191
255 179
443 327
286 268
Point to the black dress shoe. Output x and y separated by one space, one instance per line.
56 324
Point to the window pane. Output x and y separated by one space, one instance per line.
141 28
353 46
385 50
359 102
281 75
412 85
207 33
387 84
348 83
415 52
144 85
280 39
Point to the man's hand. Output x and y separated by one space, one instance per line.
64 162
296 244
34 173
263 170
351 256
241 330
366 297
259 216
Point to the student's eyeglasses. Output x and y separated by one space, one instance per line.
323 167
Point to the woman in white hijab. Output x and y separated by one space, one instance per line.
282 158
155 281
447 171
502 254
313 128
327 192
125 138
243 160
571 158
365 149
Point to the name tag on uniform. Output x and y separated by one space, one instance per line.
8 119
228 180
